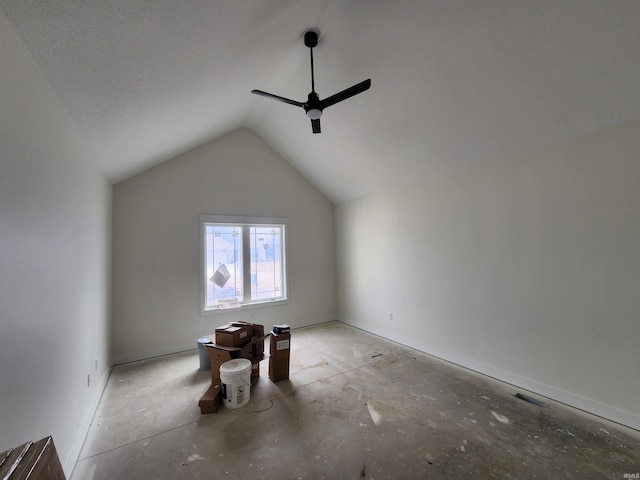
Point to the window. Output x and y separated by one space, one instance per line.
243 261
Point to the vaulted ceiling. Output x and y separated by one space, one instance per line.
453 81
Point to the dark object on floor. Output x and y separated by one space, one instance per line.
32 461
529 399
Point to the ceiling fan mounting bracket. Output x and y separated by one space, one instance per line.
311 39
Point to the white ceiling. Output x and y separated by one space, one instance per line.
453 81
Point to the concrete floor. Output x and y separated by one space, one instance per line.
356 406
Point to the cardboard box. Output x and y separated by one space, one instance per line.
255 371
279 356
234 334
258 339
210 401
218 354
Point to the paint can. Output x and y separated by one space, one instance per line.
235 377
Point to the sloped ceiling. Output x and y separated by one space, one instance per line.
453 82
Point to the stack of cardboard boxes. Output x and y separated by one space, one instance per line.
229 341
244 340
236 340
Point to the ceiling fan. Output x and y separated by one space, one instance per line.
314 106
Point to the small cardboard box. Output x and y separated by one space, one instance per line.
279 355
234 334
210 401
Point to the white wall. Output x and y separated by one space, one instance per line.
156 243
526 268
55 214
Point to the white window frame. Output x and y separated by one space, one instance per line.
206 220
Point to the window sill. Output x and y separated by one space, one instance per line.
248 306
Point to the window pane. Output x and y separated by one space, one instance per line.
223 264
266 263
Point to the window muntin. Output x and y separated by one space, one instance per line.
244 261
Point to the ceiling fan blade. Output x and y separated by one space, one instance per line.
344 94
278 98
315 125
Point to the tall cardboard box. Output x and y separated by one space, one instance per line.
279 356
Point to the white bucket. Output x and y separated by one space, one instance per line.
235 376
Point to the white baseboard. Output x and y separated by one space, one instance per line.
146 355
588 405
69 463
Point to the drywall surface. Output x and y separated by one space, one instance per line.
156 243
55 217
525 268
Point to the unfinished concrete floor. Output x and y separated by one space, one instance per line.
356 406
